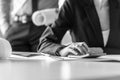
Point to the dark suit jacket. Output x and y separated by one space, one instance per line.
80 17
43 4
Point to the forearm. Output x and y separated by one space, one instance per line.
50 48
52 36
4 14
49 43
5 9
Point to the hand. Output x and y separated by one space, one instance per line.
95 52
3 27
79 48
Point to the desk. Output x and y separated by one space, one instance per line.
82 69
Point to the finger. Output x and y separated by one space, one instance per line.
82 49
85 46
76 50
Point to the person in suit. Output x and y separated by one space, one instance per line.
17 26
92 24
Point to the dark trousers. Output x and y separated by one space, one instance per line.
24 37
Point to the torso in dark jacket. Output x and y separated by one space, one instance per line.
80 17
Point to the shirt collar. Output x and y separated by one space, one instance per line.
100 3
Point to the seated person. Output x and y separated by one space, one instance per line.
16 24
93 25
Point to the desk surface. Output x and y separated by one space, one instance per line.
81 69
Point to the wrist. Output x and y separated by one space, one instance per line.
58 51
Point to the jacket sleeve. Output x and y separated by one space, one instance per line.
43 4
50 41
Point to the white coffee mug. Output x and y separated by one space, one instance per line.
5 49
44 17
